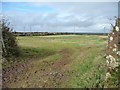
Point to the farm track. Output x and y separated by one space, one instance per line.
54 70
51 74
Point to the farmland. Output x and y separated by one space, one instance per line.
73 61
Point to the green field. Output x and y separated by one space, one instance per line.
72 61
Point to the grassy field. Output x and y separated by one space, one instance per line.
72 61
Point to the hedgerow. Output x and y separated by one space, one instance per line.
9 43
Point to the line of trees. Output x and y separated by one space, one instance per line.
52 33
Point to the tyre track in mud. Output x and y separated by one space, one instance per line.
51 75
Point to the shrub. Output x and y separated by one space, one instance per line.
11 48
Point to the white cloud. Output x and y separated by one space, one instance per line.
87 17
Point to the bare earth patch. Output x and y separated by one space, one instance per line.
10 74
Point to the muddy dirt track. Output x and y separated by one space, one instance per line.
52 73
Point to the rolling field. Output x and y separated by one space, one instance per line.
66 61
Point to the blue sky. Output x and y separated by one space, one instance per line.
60 17
25 7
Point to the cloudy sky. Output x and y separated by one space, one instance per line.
60 16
